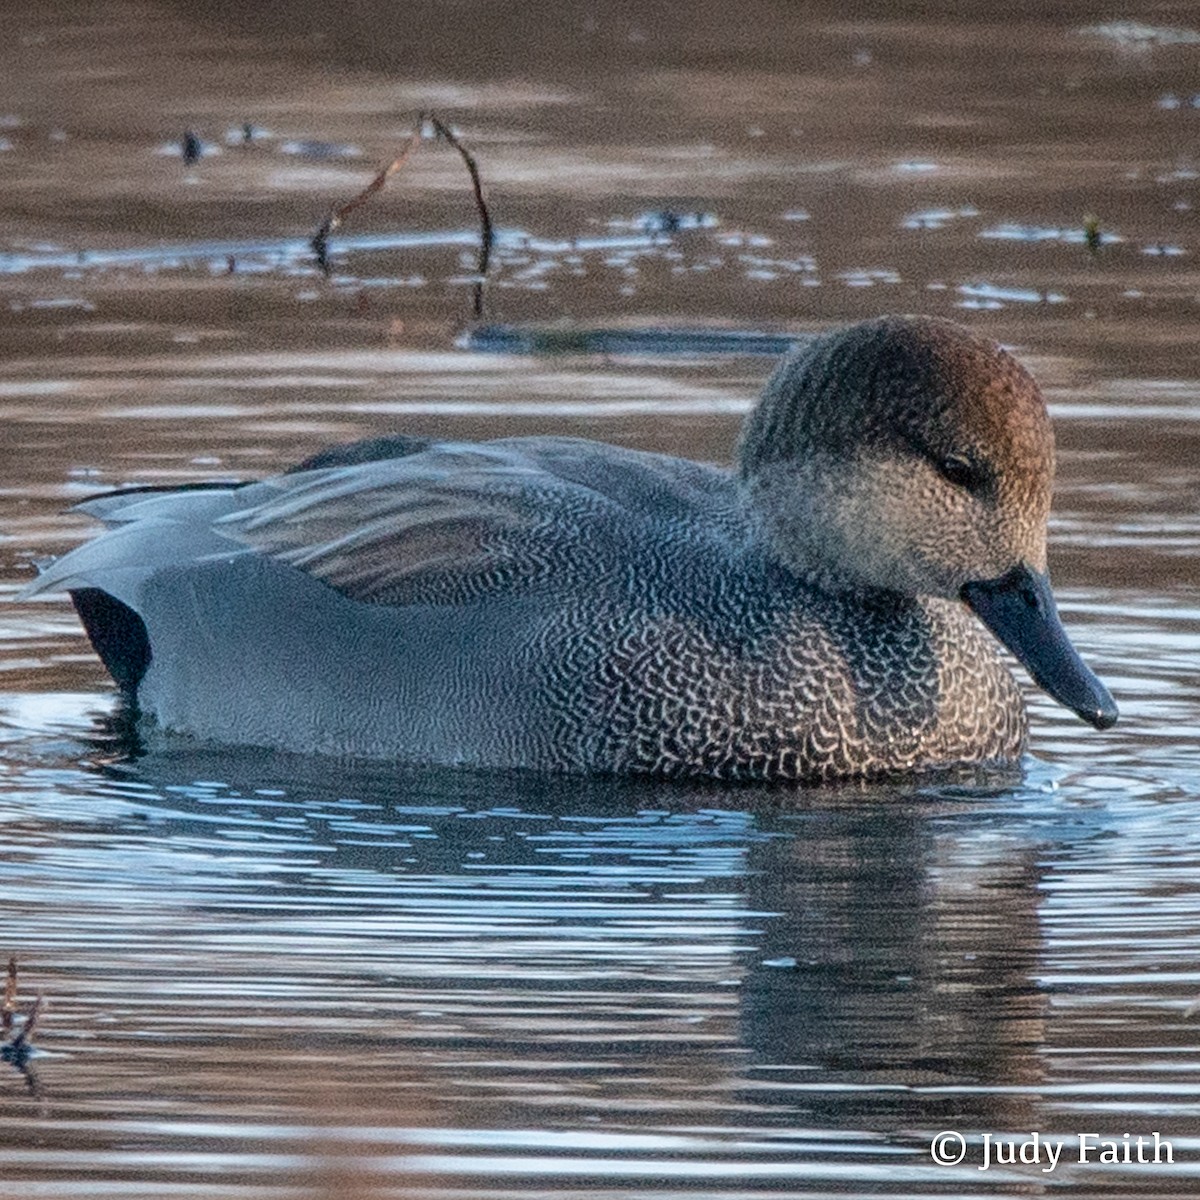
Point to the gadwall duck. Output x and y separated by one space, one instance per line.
561 604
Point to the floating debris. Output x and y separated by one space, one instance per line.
548 340
190 147
1091 232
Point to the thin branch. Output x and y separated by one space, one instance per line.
486 234
320 240
9 1007
19 1049
24 1039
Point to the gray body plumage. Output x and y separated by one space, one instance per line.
587 608
546 603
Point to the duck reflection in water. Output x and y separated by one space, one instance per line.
898 979
873 960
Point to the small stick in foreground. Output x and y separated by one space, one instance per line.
17 1050
10 998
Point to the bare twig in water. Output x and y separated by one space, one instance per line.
10 998
21 1043
485 218
320 240
17 1049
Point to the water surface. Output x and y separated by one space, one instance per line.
271 976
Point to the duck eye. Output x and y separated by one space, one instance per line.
962 472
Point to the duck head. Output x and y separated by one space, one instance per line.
908 454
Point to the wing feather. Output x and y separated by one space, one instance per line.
400 521
454 521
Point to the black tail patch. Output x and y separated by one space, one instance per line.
118 635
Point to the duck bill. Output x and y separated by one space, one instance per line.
1019 609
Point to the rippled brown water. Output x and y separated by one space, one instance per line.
273 977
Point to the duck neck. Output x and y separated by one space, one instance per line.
799 518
